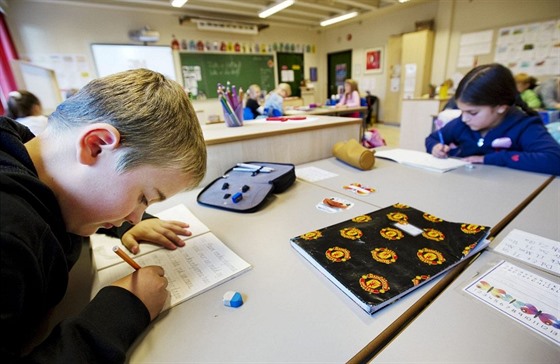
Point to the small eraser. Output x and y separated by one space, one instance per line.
233 299
237 197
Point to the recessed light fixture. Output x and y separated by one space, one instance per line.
338 18
275 8
178 3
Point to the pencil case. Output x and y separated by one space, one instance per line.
247 186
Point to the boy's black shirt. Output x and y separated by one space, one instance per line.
36 255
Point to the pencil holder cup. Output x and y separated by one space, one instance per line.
235 118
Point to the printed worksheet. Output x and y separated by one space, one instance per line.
313 174
527 298
533 249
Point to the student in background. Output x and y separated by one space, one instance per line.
350 97
123 142
274 103
495 128
549 92
525 86
26 109
252 104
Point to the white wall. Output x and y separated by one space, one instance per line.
45 28
41 28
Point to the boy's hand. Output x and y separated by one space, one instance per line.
149 285
160 232
440 150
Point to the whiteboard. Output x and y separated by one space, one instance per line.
40 81
113 58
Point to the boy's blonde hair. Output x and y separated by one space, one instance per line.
254 91
286 88
156 121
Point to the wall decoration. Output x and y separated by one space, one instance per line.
373 60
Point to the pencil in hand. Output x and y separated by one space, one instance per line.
126 258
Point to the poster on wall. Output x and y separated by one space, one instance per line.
374 60
530 48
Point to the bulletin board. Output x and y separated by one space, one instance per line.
532 48
40 81
203 71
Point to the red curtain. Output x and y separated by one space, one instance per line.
7 53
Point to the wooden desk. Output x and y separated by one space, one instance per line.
295 141
326 110
458 329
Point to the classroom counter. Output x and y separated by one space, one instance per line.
291 141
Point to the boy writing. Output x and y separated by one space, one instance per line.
121 143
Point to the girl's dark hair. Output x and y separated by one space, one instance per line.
20 104
490 85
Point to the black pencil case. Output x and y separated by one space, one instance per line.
243 189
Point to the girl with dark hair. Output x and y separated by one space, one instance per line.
496 127
25 108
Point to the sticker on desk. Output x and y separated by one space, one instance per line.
359 189
525 297
313 174
334 204
533 249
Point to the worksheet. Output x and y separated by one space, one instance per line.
533 249
525 297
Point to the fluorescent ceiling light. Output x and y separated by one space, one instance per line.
275 8
339 18
178 3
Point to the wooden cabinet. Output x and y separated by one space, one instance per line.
409 58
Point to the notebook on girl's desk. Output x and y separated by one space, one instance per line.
203 263
418 159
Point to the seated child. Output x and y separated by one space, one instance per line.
252 106
496 128
350 98
25 108
273 106
525 85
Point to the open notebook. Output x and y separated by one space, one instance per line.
420 159
203 263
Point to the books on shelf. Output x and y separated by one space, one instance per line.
379 257
203 263
418 159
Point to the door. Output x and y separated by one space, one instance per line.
290 70
340 68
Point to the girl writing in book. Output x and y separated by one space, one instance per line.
496 127
26 109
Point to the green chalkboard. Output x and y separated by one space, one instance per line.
205 70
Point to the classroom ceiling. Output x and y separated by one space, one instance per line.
302 14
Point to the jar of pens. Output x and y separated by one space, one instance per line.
232 104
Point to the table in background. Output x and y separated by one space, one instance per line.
325 110
457 328
293 141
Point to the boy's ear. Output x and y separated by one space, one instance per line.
95 139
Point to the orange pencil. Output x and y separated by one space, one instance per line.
126 258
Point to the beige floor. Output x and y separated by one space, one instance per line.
389 132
